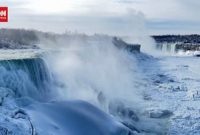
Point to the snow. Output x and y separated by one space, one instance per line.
170 85
16 54
73 118
181 95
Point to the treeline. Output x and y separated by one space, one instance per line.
18 36
177 38
22 38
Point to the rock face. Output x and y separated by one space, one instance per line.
126 115
160 114
177 38
119 43
3 131
187 47
12 45
120 110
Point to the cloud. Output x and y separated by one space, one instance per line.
124 24
129 1
173 27
105 16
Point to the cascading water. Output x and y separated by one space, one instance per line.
26 77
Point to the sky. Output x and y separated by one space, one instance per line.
113 17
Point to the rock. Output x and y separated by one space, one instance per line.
161 75
119 43
197 55
147 97
101 98
131 127
3 131
171 80
177 89
20 114
120 110
5 93
187 46
131 114
160 114
157 82
1 101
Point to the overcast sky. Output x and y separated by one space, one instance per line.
119 17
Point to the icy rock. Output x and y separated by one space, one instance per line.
177 89
9 126
131 114
120 110
4 131
160 113
24 101
119 43
19 114
5 93
1 101
196 96
161 78
131 127
147 97
171 80
197 126
190 108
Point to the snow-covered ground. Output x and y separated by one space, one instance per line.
173 83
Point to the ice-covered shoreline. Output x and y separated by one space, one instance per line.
175 87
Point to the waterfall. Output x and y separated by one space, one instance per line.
26 77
